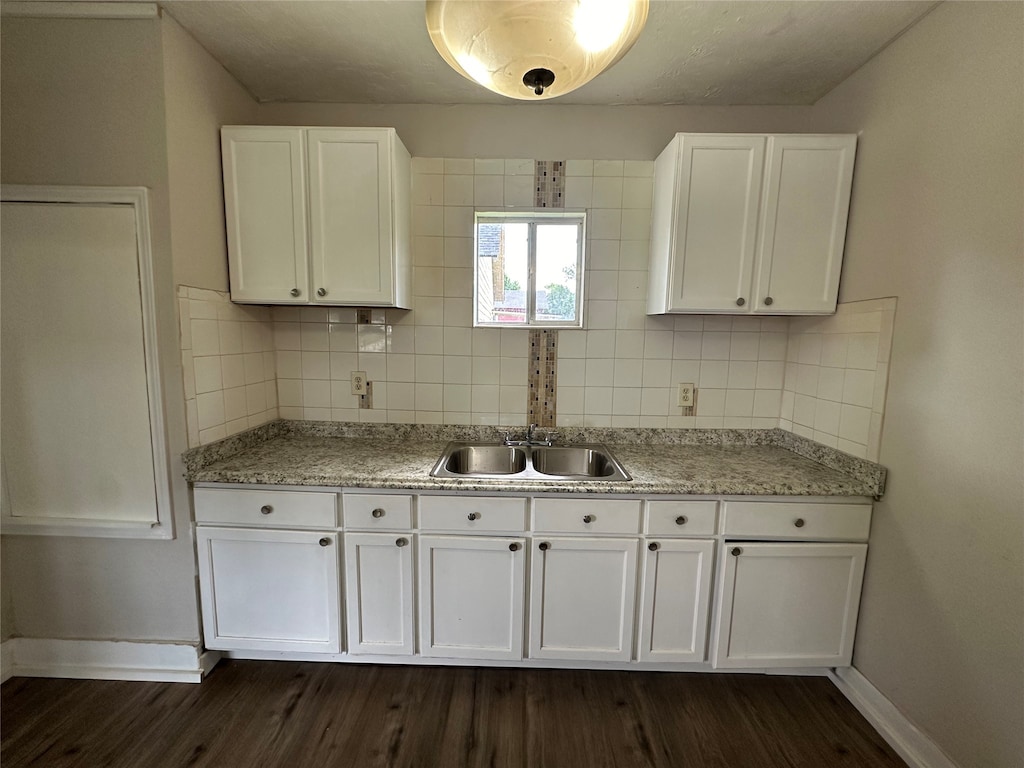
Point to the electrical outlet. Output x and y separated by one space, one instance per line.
685 395
358 382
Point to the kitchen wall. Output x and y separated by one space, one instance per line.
936 221
83 102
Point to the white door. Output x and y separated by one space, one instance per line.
378 593
676 595
471 596
265 209
582 595
350 215
787 605
269 590
807 200
719 189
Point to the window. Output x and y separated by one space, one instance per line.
529 269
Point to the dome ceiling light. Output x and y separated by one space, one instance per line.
534 49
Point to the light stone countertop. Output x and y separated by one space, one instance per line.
705 462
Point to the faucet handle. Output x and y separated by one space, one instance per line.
506 436
549 437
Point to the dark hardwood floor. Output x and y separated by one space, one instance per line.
308 715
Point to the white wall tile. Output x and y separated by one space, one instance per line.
427 189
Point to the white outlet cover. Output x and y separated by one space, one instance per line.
685 395
358 382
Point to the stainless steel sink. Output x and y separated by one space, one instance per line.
575 461
486 460
496 461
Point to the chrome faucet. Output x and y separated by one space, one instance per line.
549 438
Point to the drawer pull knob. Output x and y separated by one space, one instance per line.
513 547
588 518
544 546
768 301
321 291
295 292
740 301
473 516
653 546
401 542
378 512
736 552
266 509
681 520
799 522
325 542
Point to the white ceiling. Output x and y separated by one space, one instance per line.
711 52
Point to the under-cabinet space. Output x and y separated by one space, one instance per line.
472 592
582 597
270 590
787 605
379 601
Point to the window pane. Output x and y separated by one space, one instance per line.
502 256
557 262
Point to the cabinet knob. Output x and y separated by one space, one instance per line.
325 542
544 546
768 301
295 292
513 547
378 512
588 518
736 552
740 301
473 516
653 546
401 542
681 520
799 522
266 509
321 291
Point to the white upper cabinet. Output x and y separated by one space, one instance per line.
317 215
749 223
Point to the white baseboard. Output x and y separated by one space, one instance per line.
6 660
914 746
105 660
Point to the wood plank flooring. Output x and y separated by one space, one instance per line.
308 715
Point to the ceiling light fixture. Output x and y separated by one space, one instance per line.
534 49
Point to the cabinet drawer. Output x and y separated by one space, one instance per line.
681 518
586 516
373 511
780 520
275 509
472 513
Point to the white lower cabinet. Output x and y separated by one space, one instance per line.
472 594
675 599
379 604
582 598
270 590
787 605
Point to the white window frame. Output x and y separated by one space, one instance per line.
532 218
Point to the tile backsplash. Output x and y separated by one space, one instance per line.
227 358
837 370
245 365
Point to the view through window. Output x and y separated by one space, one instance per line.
529 269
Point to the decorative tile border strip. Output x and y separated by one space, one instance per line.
549 184
541 378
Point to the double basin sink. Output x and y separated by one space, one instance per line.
495 461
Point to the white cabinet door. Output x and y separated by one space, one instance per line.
379 593
265 208
708 234
582 596
350 215
787 605
472 592
806 202
269 590
676 594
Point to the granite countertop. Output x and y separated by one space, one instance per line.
691 461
